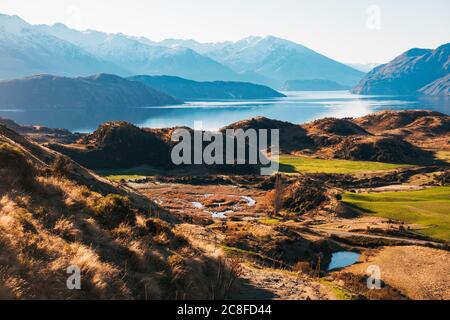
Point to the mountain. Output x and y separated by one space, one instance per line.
192 90
25 51
363 67
143 56
415 71
100 92
191 44
440 87
283 60
35 49
313 85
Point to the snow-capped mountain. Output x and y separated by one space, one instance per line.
143 56
283 60
25 51
199 47
366 68
29 49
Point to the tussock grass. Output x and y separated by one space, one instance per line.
49 222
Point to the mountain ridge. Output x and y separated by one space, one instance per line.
410 73
185 89
99 92
279 60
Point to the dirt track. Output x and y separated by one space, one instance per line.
330 232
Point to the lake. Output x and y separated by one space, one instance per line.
297 107
343 259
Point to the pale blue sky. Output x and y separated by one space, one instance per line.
336 28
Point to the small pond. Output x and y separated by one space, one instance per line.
343 259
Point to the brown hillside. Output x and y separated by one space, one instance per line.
425 129
381 149
292 137
55 214
41 134
118 145
381 122
333 126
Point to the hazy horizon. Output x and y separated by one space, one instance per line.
357 31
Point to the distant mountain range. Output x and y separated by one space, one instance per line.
100 92
416 71
110 93
363 67
27 49
192 90
313 85
283 60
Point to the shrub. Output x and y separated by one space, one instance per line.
114 210
303 267
61 166
15 169
304 196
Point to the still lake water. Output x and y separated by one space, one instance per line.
298 107
343 259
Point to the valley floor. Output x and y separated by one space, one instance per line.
232 218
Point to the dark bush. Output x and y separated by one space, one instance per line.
61 166
15 169
114 210
304 196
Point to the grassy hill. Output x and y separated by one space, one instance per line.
55 214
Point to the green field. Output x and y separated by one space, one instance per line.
298 164
429 208
128 174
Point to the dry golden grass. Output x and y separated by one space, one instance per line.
49 222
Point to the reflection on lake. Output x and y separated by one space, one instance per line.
298 107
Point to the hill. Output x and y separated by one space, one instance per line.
184 89
397 137
118 145
99 92
121 145
355 139
426 129
390 121
55 214
292 137
41 134
416 71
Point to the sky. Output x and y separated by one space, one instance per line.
350 31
